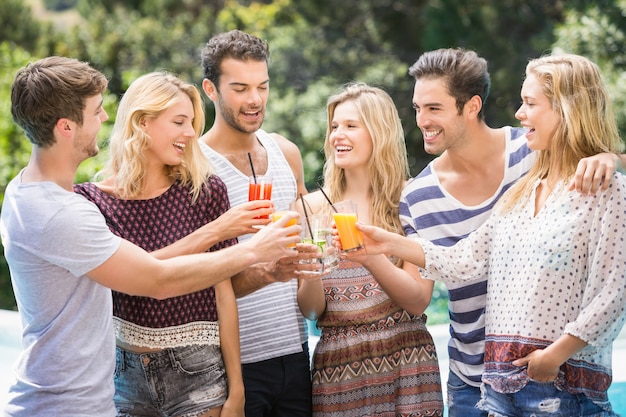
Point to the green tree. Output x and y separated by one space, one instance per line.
14 147
17 24
598 31
59 5
125 39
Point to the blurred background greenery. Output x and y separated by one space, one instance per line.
316 46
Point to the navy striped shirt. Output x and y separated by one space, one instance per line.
428 211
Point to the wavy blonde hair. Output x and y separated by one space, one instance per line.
388 166
146 98
575 88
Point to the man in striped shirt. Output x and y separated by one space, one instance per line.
456 192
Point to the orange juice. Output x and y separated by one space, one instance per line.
350 236
277 215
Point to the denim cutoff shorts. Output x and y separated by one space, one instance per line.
186 382
539 399
462 398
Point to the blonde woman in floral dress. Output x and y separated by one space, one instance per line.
375 356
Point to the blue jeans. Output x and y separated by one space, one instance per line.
540 399
186 381
462 398
279 387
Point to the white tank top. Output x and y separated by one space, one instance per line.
270 323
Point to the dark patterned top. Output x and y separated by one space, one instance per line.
153 224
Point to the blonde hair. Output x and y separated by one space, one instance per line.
146 98
388 166
574 86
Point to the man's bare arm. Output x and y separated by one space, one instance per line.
133 271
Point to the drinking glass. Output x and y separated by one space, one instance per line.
345 217
316 230
260 188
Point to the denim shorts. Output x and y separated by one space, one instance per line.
181 382
462 398
540 399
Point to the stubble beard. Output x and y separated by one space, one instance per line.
229 117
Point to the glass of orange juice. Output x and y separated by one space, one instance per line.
345 217
260 188
277 215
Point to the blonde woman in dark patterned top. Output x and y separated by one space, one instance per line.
375 356
178 356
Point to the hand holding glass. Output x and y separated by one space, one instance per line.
277 215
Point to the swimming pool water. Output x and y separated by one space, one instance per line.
617 396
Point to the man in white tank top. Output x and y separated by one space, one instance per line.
274 351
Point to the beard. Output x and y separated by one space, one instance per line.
87 150
229 117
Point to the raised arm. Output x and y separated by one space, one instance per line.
237 221
379 241
282 270
134 271
403 285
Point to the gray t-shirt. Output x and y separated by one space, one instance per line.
52 238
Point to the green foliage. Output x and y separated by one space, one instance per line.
600 36
305 69
122 37
14 147
7 300
17 24
59 5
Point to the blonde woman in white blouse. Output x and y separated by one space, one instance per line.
556 260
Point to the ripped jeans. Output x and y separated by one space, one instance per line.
539 399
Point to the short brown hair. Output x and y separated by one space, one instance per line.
50 89
463 71
234 44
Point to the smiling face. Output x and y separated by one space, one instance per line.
171 131
242 94
437 115
86 138
537 115
349 137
